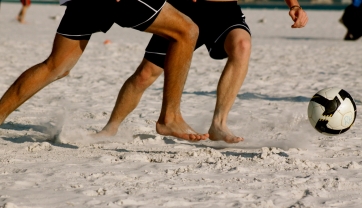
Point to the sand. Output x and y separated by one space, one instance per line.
47 158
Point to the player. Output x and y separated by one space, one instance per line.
226 35
82 18
25 6
352 20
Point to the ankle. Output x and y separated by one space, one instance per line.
169 118
110 129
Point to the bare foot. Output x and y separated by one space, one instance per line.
180 130
223 133
21 19
107 131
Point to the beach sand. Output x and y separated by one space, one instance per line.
47 158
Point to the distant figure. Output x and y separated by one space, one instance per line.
24 8
352 19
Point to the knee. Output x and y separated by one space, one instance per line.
145 75
56 70
189 32
192 31
239 47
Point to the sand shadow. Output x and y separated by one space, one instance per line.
24 139
41 129
250 155
308 38
148 136
250 96
226 153
253 96
23 127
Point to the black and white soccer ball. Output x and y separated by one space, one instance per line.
332 111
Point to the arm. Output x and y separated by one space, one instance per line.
298 15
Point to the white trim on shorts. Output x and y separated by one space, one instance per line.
162 54
73 35
156 12
148 6
243 26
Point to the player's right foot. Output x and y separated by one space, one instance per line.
178 128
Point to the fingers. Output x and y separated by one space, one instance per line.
299 17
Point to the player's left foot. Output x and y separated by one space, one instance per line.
218 133
107 131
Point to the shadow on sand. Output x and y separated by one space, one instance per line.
41 129
251 96
225 150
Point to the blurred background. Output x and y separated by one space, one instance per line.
278 4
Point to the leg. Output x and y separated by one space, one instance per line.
22 13
182 34
130 95
64 56
238 47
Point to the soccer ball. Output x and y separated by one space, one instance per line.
332 111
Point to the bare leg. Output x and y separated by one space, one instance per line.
182 34
22 13
130 95
238 47
64 56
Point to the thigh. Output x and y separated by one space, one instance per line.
78 21
156 50
219 20
82 18
157 47
137 14
66 52
170 23
25 2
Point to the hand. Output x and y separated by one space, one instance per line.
299 16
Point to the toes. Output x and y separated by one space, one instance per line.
192 137
239 139
235 140
198 137
205 136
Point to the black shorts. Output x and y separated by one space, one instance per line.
352 19
82 18
215 21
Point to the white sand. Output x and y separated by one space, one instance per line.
284 162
